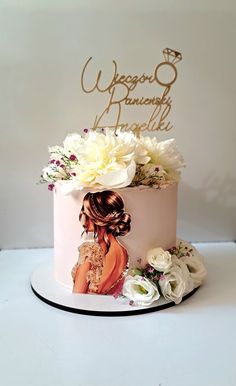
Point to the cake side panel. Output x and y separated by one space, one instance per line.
67 234
153 224
153 221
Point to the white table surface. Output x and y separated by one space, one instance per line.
192 344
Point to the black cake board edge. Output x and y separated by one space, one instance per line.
40 290
144 310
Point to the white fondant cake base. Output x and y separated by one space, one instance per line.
51 292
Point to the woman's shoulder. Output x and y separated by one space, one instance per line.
91 251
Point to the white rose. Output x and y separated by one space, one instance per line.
53 174
173 285
196 268
194 262
189 285
159 259
140 290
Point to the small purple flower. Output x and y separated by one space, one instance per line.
51 187
73 174
52 161
73 157
86 131
131 302
58 163
62 166
150 269
162 277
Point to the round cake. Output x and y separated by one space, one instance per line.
115 211
152 222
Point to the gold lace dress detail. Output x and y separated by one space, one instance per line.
91 252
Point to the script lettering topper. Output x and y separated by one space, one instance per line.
118 100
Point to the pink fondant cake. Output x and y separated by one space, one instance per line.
153 222
115 205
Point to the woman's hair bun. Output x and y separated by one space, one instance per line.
105 209
120 225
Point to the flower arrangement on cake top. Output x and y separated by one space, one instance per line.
111 159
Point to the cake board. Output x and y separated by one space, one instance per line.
47 289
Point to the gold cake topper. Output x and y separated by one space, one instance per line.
129 83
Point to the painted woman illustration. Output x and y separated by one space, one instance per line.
102 262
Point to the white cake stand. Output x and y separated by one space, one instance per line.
49 291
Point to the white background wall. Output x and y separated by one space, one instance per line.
43 46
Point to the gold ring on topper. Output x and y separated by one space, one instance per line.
171 58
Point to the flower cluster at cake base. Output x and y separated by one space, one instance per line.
110 159
171 274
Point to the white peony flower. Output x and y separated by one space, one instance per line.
141 154
173 285
196 268
72 144
119 178
164 153
139 290
106 159
169 155
159 259
150 145
111 180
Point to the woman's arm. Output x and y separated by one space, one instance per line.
80 280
